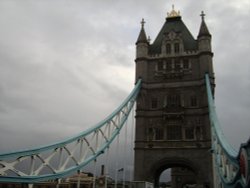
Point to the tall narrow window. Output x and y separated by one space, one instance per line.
176 48
168 48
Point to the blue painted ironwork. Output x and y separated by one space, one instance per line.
66 157
232 168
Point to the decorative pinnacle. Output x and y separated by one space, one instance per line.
142 23
202 15
173 13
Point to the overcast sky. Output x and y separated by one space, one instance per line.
66 64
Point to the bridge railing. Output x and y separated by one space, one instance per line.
232 168
69 156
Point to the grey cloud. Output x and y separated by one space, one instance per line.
63 60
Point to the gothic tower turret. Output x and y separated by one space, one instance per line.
204 37
204 47
142 46
142 43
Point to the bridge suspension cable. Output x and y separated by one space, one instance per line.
232 168
69 156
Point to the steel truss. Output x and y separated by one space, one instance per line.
69 156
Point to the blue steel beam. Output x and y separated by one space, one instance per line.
232 167
88 145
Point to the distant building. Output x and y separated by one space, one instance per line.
84 179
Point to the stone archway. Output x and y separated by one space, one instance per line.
181 166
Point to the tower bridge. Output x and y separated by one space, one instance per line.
176 125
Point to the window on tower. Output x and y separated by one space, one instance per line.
176 48
168 48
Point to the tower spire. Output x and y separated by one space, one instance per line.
142 38
203 28
202 15
142 23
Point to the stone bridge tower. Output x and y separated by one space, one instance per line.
172 123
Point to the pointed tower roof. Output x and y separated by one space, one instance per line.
142 36
174 23
203 28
